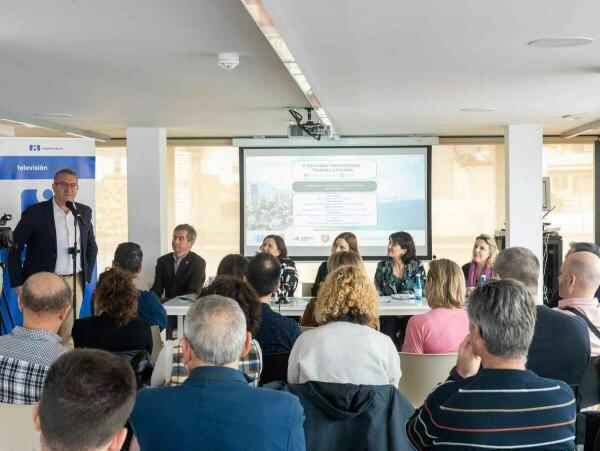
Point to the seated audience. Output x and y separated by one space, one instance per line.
275 245
128 257
27 352
560 348
251 363
485 252
344 242
398 271
215 409
117 326
335 261
348 348
504 405
443 328
277 333
585 247
577 283
235 265
88 396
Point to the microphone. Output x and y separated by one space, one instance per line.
71 206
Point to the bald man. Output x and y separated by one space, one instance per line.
27 352
577 284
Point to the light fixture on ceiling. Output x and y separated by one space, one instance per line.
572 133
228 60
572 117
478 110
566 41
54 115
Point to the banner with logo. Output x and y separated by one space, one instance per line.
27 168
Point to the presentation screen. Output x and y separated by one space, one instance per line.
310 195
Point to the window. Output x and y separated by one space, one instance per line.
111 202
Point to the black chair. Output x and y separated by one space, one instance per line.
274 368
587 436
588 392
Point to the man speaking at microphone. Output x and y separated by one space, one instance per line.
47 230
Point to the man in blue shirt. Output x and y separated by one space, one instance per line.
215 408
276 334
128 256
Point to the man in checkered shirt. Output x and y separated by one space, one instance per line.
27 352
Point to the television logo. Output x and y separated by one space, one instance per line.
35 147
30 197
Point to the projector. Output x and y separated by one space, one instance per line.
320 130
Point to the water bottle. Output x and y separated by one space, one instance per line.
418 288
482 279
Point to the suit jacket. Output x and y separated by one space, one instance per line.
216 409
189 278
37 231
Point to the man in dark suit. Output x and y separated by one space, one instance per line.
181 271
215 408
47 231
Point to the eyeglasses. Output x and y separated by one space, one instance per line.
65 185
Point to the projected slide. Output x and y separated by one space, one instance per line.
308 196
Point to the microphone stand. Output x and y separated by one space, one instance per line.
75 268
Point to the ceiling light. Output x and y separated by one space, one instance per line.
572 133
228 60
477 110
567 41
59 115
572 117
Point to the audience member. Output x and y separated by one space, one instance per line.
335 261
88 396
277 333
181 271
344 242
235 265
560 348
348 348
577 283
128 257
275 245
504 405
215 409
117 326
27 352
251 363
585 247
485 252
443 328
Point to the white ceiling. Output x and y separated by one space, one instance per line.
379 68
115 64
400 67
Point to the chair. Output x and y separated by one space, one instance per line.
274 368
164 366
421 373
588 392
306 289
157 343
305 328
16 428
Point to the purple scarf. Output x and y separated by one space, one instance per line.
473 282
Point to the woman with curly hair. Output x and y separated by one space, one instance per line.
348 348
444 327
117 326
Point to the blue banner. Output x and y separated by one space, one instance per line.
44 167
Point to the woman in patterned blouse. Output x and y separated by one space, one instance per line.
275 245
398 271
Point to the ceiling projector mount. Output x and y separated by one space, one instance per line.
309 128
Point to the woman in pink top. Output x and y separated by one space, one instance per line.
441 330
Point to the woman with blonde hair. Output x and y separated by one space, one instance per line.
485 252
441 330
347 348
335 261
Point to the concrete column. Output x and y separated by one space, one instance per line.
524 166
147 195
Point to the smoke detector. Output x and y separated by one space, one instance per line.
228 60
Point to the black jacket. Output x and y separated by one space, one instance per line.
37 231
349 417
189 278
321 276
